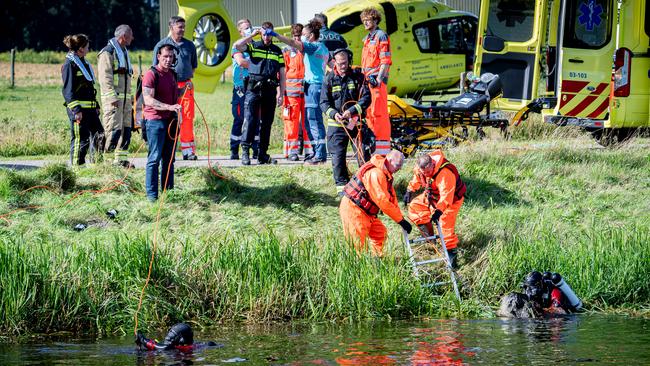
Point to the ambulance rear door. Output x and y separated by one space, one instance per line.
587 45
511 32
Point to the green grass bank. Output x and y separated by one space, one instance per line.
266 244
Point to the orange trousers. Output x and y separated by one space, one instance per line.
186 100
357 226
420 213
377 118
293 116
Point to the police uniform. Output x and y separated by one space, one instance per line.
259 106
341 93
80 96
115 72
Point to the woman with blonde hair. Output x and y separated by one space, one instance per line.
80 100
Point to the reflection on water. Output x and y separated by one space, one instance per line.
570 340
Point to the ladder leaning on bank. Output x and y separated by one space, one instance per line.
424 245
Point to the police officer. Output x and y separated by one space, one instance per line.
332 40
344 98
264 90
115 72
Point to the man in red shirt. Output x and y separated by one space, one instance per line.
160 92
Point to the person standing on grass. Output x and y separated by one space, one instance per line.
316 57
186 63
240 62
160 92
115 72
80 101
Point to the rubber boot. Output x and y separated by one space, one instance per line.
452 257
245 157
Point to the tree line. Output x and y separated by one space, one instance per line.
42 24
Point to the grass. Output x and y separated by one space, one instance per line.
266 244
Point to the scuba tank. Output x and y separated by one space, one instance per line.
572 299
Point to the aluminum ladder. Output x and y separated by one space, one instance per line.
417 246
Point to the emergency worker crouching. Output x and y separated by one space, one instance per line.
264 90
80 99
442 198
367 194
115 72
344 99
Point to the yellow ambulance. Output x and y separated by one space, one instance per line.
583 62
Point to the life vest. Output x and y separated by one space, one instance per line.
460 190
357 192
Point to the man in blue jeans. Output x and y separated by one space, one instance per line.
316 56
160 92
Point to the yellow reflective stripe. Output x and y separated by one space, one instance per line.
73 104
351 86
87 104
333 123
109 94
358 108
267 55
77 143
336 88
329 111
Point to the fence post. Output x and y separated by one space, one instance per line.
13 62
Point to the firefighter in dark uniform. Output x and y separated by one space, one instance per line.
80 99
264 90
344 99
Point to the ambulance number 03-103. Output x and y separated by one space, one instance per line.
578 75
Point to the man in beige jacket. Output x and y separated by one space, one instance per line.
114 73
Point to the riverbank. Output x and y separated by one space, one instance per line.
265 244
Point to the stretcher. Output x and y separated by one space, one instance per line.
427 125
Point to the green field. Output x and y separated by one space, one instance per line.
265 244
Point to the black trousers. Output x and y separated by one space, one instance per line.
337 146
88 133
259 112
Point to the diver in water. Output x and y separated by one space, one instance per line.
544 294
180 337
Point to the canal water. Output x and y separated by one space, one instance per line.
574 340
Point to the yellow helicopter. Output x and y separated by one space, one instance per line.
431 43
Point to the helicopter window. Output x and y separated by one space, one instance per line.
441 36
588 24
511 20
346 23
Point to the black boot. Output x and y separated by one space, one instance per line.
245 157
452 253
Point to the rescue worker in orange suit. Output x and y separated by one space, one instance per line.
441 200
369 192
81 102
293 111
186 63
375 62
344 98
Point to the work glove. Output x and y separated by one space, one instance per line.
270 32
406 226
436 216
372 80
407 197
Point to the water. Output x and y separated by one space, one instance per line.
577 340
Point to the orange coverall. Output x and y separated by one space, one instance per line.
420 209
186 100
293 111
376 52
357 224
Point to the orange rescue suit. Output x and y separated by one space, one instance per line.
446 194
376 52
359 225
294 102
